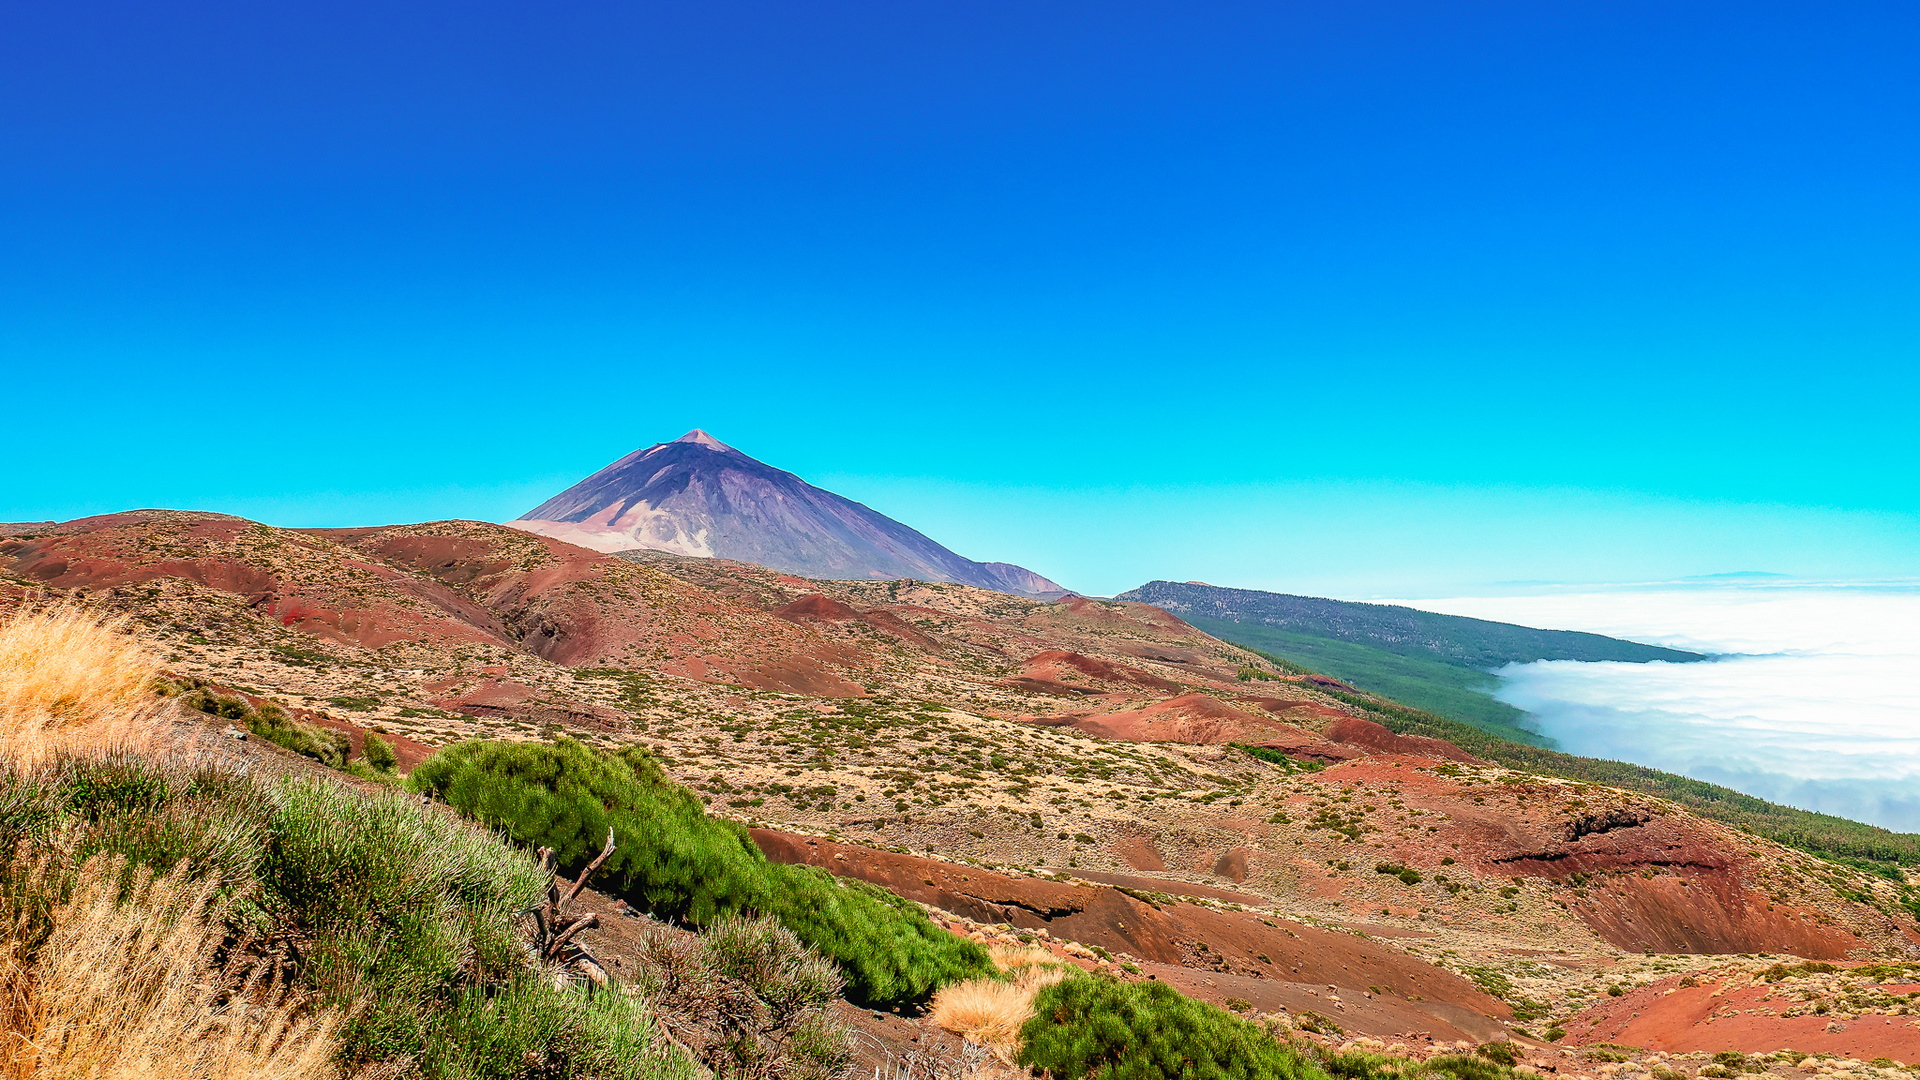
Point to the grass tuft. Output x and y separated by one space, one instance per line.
73 680
129 987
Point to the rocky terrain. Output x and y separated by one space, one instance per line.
1073 772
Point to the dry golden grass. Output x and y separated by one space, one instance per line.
1010 957
988 1012
129 990
72 679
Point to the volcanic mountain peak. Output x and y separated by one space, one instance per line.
698 496
701 438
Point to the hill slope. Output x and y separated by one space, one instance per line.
1403 631
947 742
698 496
1441 663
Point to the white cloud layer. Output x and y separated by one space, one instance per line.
1817 704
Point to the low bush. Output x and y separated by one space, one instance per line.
676 863
755 1002
394 919
1784 971
1097 1027
379 753
324 745
1407 874
1464 1067
1503 1052
267 721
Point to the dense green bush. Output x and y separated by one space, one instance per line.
379 753
675 862
1101 1028
324 745
399 913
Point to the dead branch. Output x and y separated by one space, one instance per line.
555 930
591 867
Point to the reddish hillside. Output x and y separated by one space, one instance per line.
1084 735
1855 1011
1275 964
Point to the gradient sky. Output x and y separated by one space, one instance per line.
1363 298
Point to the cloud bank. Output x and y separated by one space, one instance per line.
1816 705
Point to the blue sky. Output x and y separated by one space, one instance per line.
1367 298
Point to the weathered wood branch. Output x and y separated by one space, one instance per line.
561 939
555 931
591 867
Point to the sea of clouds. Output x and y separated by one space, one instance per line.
1812 699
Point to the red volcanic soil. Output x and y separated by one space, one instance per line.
1356 732
503 697
888 623
556 601
1048 667
1190 718
1643 878
1085 612
1300 963
1139 853
800 675
407 752
824 609
105 551
816 608
445 583
1169 886
1730 1014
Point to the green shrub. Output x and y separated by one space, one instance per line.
1361 1065
1407 874
528 1029
225 706
267 721
1462 1067
675 862
1505 1053
1096 1027
1783 971
379 753
399 901
328 747
400 913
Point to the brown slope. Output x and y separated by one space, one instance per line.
574 606
1642 874
440 585
1211 954
1733 1010
297 581
1074 672
1191 718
